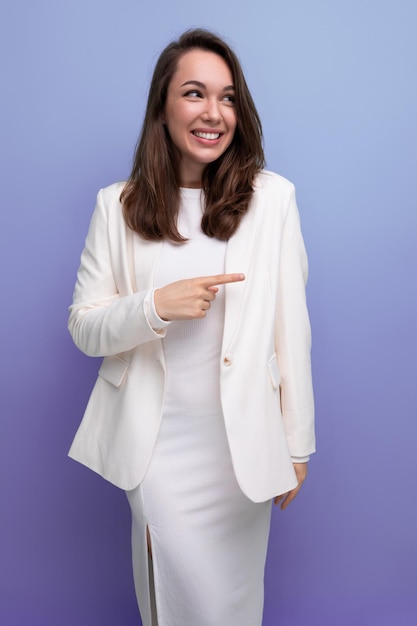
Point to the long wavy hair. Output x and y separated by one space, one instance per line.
151 195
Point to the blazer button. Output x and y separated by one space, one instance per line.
227 359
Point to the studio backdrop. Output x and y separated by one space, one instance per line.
335 85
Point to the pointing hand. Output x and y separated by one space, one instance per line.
190 298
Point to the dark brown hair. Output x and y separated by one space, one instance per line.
150 197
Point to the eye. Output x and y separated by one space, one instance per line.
229 98
193 93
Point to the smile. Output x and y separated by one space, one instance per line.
202 135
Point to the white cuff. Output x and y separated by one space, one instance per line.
157 324
300 459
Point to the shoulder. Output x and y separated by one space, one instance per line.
273 195
108 205
110 195
267 182
108 210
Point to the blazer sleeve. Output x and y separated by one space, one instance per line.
293 337
102 320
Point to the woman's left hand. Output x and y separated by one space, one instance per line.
287 498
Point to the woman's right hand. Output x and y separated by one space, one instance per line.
190 298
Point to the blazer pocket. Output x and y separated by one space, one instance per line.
274 371
113 369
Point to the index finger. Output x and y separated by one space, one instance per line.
222 279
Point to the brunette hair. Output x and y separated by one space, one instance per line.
151 195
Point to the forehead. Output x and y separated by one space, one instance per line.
203 66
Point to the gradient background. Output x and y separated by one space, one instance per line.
335 83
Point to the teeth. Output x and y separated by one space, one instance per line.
206 135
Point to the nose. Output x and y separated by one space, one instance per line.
212 112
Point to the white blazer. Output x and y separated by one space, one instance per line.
265 378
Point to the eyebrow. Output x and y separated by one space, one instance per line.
203 86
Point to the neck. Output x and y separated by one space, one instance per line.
190 174
190 185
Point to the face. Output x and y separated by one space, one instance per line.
199 114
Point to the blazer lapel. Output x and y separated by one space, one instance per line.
239 252
145 257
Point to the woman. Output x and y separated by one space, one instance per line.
192 288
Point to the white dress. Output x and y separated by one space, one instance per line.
208 539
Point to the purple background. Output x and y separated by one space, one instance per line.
336 87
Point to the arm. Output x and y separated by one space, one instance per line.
101 321
293 345
293 338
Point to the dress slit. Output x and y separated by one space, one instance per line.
143 564
151 579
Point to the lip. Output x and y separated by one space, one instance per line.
208 131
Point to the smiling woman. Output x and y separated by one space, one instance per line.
151 197
200 116
192 286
